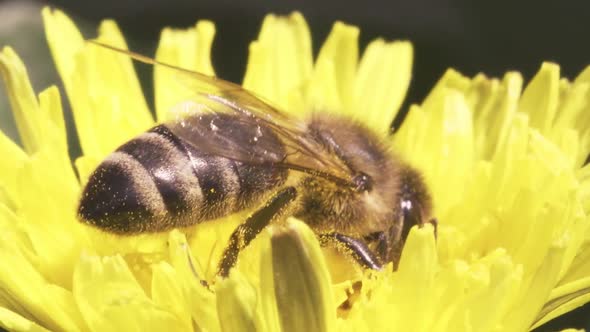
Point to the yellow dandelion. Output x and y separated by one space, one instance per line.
504 163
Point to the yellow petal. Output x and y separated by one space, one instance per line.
415 277
110 298
331 87
189 49
569 125
266 293
236 303
539 99
9 170
564 299
381 83
23 102
523 317
26 176
580 266
103 89
17 323
23 288
168 293
199 300
493 279
493 112
301 280
582 121
442 132
280 61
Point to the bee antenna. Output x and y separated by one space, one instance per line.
144 59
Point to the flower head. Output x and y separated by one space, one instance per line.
504 164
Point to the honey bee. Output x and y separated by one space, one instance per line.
239 152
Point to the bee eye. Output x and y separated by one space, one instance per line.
363 182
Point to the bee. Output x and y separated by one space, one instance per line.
238 152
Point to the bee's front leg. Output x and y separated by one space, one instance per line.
356 248
247 231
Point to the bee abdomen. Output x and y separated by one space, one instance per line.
146 185
169 168
157 181
117 197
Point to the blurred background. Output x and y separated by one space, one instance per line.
490 37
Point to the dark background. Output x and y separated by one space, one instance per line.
471 36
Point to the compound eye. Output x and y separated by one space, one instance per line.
411 216
363 182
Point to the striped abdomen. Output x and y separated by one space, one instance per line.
158 181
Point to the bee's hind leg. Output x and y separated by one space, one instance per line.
247 231
356 248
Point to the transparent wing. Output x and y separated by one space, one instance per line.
226 120
224 127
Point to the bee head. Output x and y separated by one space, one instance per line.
414 201
411 206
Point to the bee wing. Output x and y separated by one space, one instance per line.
216 129
247 137
205 84
255 134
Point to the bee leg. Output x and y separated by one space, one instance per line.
356 248
382 247
383 242
247 231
